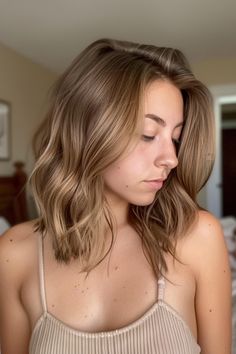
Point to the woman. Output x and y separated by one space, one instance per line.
128 263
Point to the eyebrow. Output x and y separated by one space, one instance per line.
161 121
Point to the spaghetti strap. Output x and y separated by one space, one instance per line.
41 274
161 288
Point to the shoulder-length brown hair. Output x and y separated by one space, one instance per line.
95 110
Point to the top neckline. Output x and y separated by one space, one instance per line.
119 331
160 303
160 281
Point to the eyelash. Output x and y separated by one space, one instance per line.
148 138
151 138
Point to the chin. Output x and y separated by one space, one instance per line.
144 201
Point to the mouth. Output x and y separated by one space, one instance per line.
155 184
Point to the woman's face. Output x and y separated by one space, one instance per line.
139 174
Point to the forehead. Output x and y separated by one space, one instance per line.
163 99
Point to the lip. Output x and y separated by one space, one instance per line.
155 183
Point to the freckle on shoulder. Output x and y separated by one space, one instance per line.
206 226
17 241
206 219
19 232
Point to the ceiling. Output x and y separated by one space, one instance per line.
52 32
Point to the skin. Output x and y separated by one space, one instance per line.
155 154
199 290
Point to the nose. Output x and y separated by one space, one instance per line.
166 155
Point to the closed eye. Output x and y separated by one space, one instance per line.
147 137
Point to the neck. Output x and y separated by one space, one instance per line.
119 210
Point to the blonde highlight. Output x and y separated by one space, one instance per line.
94 115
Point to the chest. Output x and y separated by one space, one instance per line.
116 293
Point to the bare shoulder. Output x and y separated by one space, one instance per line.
204 250
18 255
204 224
18 234
207 226
204 244
17 247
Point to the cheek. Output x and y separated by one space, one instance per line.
125 179
132 168
127 171
119 175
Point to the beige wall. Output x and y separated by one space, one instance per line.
216 71
24 85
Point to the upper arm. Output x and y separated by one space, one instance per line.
14 324
213 287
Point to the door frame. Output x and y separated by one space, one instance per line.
222 94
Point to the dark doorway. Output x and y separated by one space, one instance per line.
229 159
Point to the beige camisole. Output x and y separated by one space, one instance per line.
161 330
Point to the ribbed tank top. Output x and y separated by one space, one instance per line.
161 330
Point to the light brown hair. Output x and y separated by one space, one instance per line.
95 110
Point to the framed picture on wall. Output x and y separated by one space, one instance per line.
4 130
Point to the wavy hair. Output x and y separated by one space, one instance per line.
96 106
